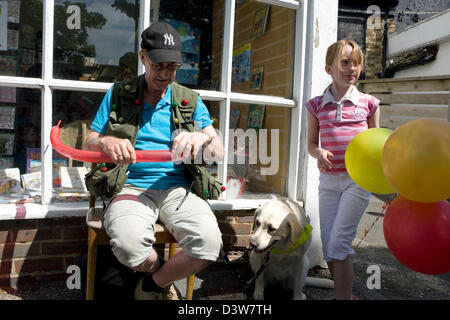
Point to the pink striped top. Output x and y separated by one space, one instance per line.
340 122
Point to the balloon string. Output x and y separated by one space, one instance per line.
383 210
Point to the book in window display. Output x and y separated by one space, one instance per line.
33 164
7 117
10 181
6 144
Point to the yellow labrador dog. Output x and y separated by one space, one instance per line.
280 228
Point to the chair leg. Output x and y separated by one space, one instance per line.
91 263
190 287
173 246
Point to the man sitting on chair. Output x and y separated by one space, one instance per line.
158 190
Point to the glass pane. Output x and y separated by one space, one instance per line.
214 112
96 41
76 110
258 151
20 127
200 24
263 49
21 38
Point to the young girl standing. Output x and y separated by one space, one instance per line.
336 117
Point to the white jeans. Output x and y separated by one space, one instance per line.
341 205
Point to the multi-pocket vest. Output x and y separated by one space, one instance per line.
124 120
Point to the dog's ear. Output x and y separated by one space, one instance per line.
295 228
254 218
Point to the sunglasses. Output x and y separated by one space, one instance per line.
159 67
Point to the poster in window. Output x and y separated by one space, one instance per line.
234 120
13 39
260 21
7 117
7 95
256 78
241 63
8 66
235 187
3 26
6 163
255 116
13 11
6 144
190 36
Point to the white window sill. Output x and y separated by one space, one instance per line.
79 208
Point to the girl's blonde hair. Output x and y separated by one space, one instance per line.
335 52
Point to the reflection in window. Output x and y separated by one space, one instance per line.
20 125
257 151
96 41
21 38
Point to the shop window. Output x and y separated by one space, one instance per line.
258 150
20 126
263 49
76 110
96 41
21 38
200 25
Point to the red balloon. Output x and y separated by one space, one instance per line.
97 156
418 234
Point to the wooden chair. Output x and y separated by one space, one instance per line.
97 236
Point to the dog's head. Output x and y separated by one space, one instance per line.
276 224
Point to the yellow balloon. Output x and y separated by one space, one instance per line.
416 160
363 160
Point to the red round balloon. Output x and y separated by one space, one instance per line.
418 234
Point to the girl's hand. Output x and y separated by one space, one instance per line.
322 160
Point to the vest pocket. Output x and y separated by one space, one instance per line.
106 183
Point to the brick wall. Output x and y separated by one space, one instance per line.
37 250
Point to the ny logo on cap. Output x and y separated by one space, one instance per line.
168 39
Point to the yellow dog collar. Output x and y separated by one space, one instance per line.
302 238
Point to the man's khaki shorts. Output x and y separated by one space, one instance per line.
130 222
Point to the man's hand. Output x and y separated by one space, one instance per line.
187 145
120 150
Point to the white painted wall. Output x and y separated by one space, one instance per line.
438 67
325 20
434 30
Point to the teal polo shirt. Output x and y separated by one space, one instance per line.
155 133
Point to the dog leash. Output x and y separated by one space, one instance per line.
246 283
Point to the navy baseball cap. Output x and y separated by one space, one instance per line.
162 42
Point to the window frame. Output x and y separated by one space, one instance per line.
297 151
